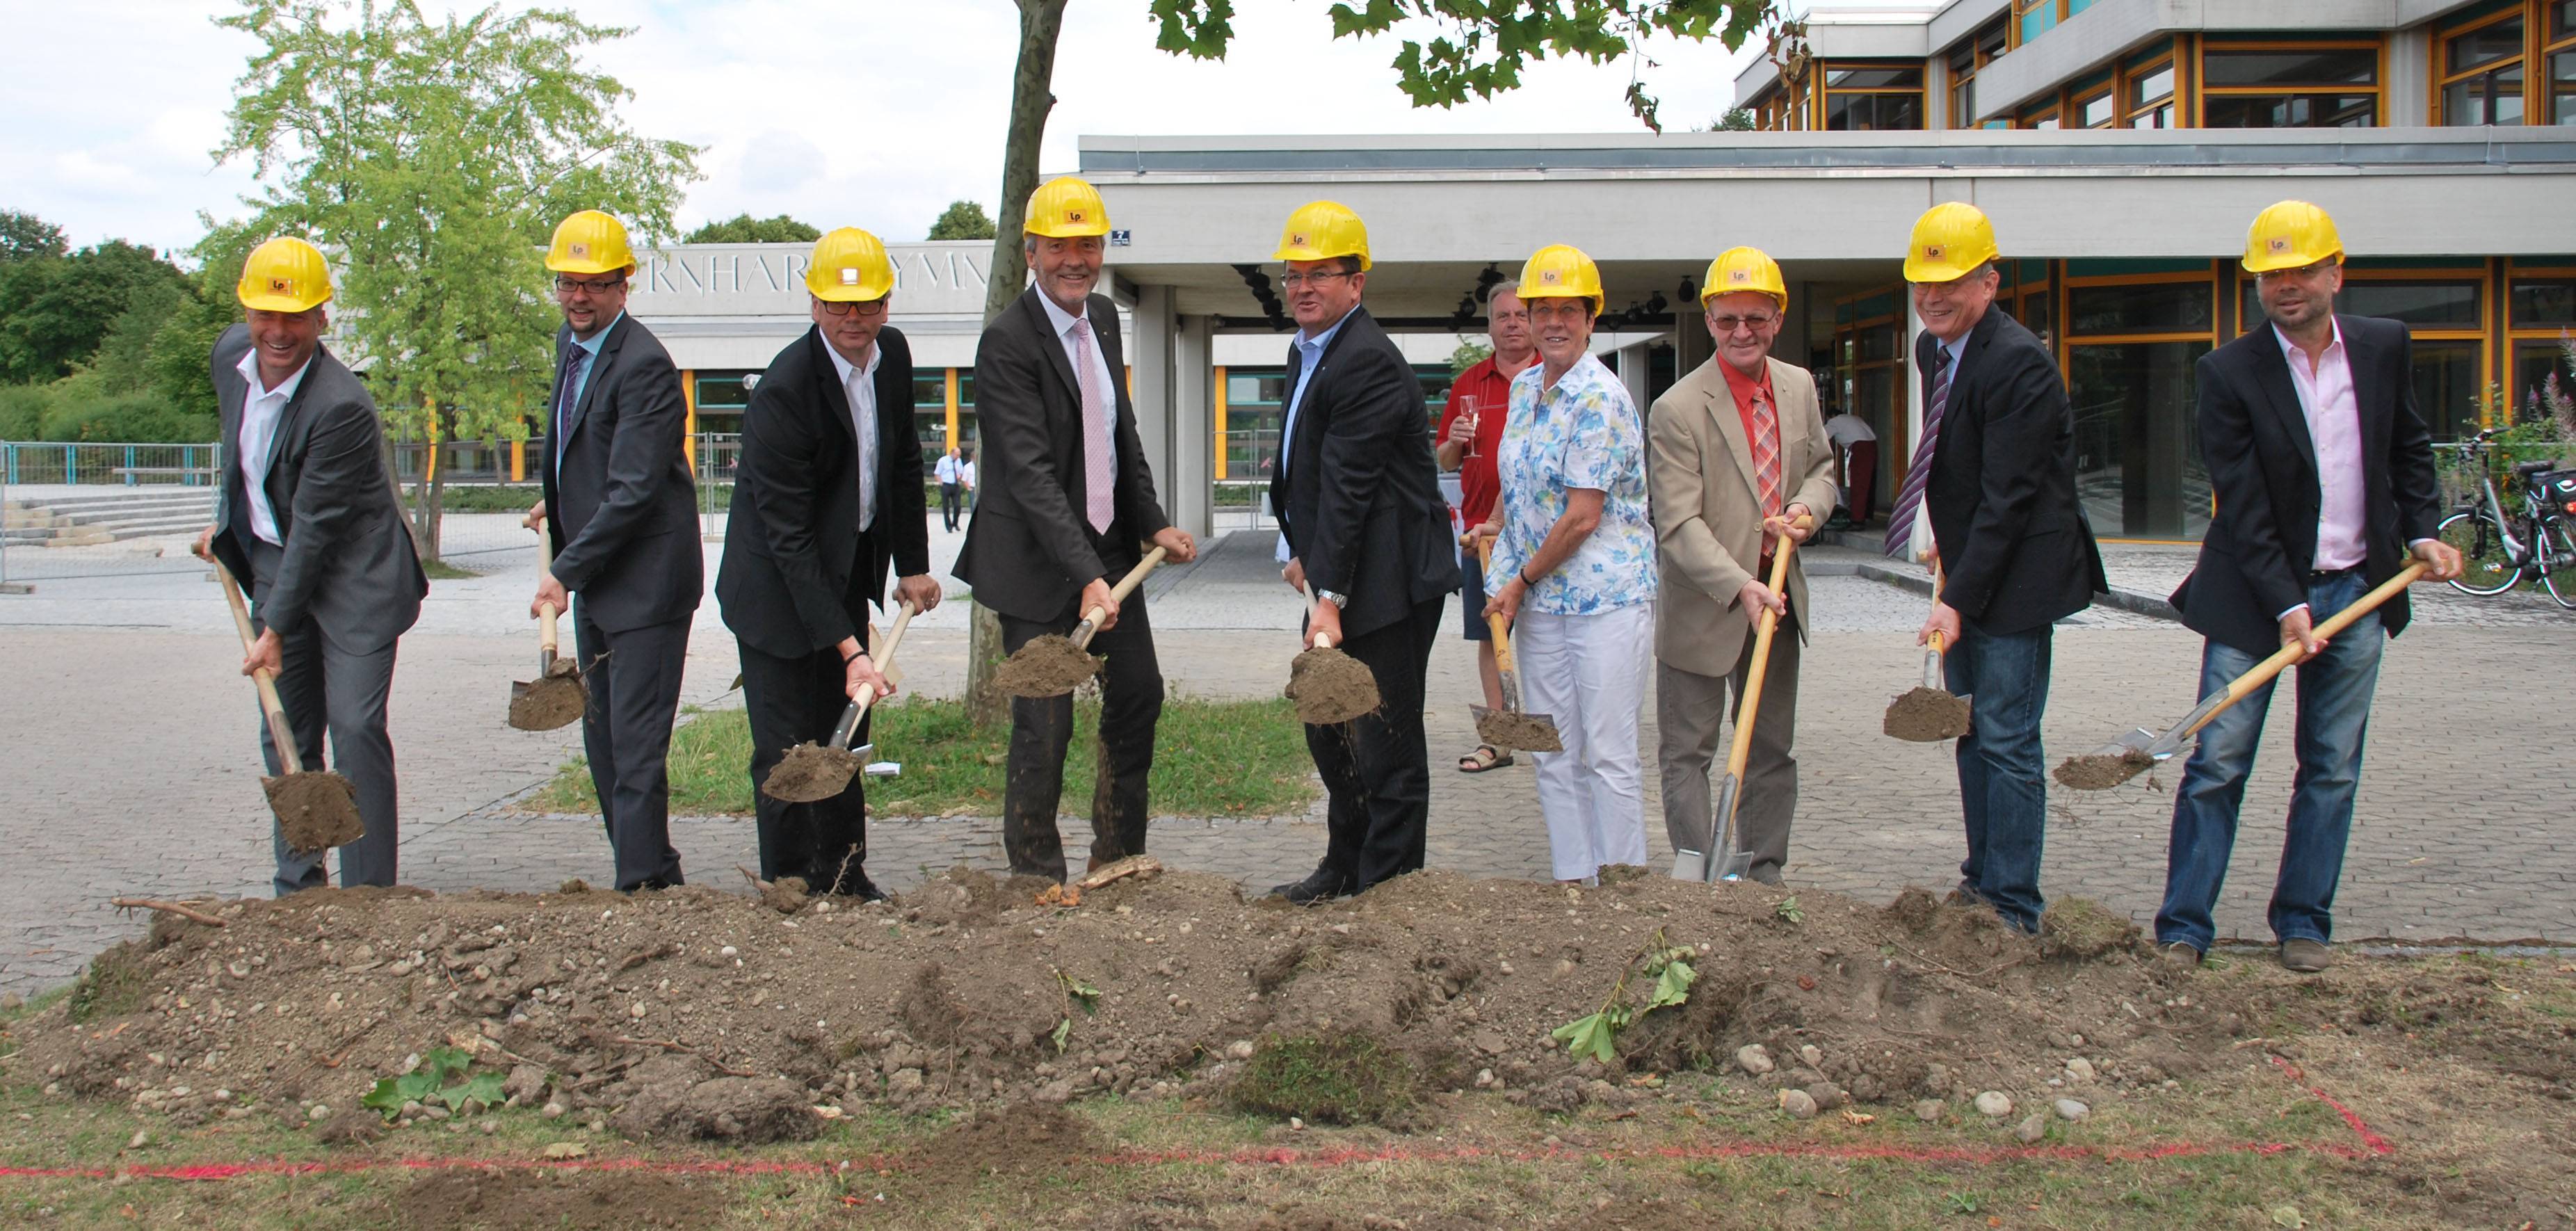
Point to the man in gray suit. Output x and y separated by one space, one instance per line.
308 519
624 529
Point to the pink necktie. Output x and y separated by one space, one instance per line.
1096 483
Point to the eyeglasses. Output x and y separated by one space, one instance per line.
864 307
596 286
1727 324
1555 308
1312 277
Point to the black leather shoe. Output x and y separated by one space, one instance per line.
1322 885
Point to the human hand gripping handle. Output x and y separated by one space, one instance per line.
1101 610
864 691
2297 651
265 677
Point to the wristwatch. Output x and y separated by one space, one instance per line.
1338 601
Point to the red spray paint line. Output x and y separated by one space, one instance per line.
2375 1143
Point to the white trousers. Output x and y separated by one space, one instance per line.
1589 673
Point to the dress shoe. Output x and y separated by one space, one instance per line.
1321 885
2179 954
2306 956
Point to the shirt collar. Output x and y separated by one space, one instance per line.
1057 317
2291 349
844 367
596 340
249 369
1586 373
1315 345
1743 386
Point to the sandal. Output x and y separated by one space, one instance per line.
1485 757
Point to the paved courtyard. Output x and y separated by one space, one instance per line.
131 767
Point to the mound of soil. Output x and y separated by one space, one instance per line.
1330 687
1926 715
316 809
699 1014
478 1199
811 772
1048 666
2096 771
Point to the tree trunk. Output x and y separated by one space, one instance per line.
1031 99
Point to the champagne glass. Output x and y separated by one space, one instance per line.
1466 422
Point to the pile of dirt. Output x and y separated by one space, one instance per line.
316 809
695 1013
1926 715
1048 666
1516 730
811 772
481 1199
1330 687
2096 771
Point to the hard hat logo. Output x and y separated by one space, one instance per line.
1931 252
2280 243
1073 215
1739 275
849 275
1551 276
577 249
1297 239
282 286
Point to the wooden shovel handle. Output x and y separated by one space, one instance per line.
848 730
546 613
1741 751
275 710
2264 671
1126 585
1494 623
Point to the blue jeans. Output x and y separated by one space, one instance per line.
2334 712
2003 793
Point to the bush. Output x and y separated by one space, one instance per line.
22 412
78 408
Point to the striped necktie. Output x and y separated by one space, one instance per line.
1909 499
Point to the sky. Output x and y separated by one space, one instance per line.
869 113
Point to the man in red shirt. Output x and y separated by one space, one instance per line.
1468 443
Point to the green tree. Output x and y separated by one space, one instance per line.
1737 120
962 220
431 159
55 310
1448 52
24 235
745 229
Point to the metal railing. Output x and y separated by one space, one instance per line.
102 510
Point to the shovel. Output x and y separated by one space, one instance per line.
557 696
1722 861
1329 686
1510 727
812 772
1928 712
1052 666
2122 759
315 810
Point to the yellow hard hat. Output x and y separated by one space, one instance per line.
1322 230
1744 269
284 275
1950 241
1561 271
1065 207
2290 235
849 266
589 242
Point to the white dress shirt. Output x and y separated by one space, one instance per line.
2334 425
860 384
947 471
262 411
1062 322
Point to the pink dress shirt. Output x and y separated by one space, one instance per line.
2334 426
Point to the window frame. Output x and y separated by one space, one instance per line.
2531 59
1822 95
2491 308
1979 53
2378 89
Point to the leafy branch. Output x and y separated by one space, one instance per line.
430 1082
1078 994
1597 1035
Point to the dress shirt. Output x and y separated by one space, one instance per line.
1310 355
2334 425
860 384
1745 388
581 381
1062 322
262 411
947 472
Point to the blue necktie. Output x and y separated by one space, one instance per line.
573 367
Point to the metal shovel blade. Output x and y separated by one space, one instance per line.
556 698
814 772
1730 863
1510 728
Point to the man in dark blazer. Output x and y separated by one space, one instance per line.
1072 497
2323 471
624 529
827 491
1993 482
1362 525
307 518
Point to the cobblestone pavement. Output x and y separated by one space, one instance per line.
130 768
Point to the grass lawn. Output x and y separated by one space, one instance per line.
1211 758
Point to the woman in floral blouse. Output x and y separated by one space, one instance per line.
1574 569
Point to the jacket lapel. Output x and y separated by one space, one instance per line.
1793 430
1730 426
2281 393
593 380
828 375
1052 343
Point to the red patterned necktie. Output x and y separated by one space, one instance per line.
1766 461
1096 482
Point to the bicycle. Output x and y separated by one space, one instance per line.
2497 557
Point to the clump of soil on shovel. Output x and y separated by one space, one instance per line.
2095 771
1925 715
1048 666
1330 687
315 809
1511 729
810 772
549 703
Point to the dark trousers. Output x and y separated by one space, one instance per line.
634 679
326 686
793 701
1131 703
1376 772
2003 789
951 504
1861 467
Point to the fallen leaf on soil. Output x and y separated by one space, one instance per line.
1858 1117
567 1149
1058 895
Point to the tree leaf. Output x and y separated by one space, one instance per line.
444 1062
484 1088
1672 986
1063 1030
386 1097
1593 1036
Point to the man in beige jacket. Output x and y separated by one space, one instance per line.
1738 452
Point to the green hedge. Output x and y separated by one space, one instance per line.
75 409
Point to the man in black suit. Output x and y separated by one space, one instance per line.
625 536
1361 522
828 489
307 518
1993 481
2323 471
1072 496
